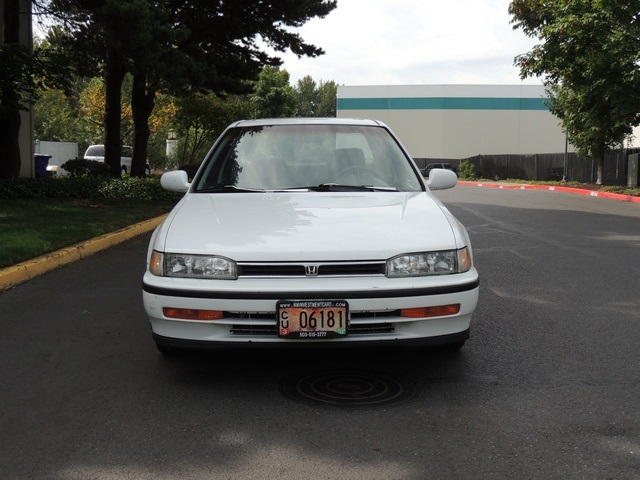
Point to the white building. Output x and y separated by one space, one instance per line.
459 121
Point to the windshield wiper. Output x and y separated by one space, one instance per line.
339 187
229 189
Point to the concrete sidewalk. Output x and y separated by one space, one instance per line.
22 272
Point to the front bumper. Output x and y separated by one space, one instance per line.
249 306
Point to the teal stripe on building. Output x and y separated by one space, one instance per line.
444 103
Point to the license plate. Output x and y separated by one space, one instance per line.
312 319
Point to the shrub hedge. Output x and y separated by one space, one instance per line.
127 188
86 168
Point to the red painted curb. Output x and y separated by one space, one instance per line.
591 193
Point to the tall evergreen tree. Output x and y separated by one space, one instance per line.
181 46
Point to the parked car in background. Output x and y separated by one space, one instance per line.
96 153
309 231
431 166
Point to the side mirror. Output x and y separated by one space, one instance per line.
176 181
441 179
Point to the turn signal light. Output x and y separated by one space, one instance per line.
189 314
426 312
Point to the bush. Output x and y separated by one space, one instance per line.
67 187
132 188
466 170
86 168
148 189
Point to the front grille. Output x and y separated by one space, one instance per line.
270 330
271 270
264 324
312 269
254 330
370 328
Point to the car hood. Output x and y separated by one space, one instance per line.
308 226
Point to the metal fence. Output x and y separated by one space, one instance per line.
552 166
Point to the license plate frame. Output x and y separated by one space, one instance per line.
312 319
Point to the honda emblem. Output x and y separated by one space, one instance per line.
311 270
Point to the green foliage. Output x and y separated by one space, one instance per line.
25 73
274 97
126 188
466 170
86 168
631 191
307 94
590 62
327 98
200 119
55 118
316 100
67 187
132 188
178 47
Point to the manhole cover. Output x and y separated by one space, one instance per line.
348 388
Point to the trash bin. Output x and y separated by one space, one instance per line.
41 163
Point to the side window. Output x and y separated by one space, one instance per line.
127 152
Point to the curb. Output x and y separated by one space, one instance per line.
22 272
503 186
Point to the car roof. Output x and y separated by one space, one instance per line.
100 145
308 121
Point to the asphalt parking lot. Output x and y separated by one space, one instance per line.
548 385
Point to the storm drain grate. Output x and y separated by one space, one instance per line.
348 388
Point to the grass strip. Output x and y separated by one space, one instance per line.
32 227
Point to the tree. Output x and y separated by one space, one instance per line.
307 94
273 96
55 117
183 45
316 100
14 82
327 99
589 59
18 69
23 74
201 118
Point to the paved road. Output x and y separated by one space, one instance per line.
548 386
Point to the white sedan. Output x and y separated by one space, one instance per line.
305 232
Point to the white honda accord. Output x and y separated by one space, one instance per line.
306 232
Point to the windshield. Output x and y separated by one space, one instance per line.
307 156
95 151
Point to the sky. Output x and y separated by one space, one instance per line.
413 42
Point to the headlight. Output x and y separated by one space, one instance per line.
429 263
192 266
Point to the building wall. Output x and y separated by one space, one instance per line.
459 121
